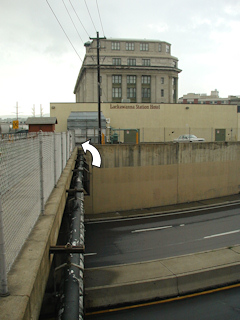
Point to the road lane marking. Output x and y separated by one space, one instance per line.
151 229
90 254
221 234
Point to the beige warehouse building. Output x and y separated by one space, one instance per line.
159 122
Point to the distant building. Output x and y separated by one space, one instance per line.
138 71
213 98
45 124
4 128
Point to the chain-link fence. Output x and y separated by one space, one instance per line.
29 169
167 134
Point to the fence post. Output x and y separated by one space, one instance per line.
54 159
41 170
3 272
66 158
62 150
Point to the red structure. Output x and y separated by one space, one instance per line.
44 124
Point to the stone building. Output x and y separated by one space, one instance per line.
213 98
138 71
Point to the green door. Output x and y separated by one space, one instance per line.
130 136
220 134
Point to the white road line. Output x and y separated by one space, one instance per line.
90 254
151 229
221 234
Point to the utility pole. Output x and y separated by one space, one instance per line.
41 111
33 110
99 93
17 111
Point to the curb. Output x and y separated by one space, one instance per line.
161 278
149 214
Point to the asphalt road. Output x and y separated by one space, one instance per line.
160 236
222 305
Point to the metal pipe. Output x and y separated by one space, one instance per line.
73 286
3 271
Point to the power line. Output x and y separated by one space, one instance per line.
72 21
100 18
90 16
79 18
63 30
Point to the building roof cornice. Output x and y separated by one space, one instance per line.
136 40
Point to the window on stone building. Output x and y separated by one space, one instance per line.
131 93
131 88
146 79
144 46
117 92
162 92
167 48
130 46
146 88
131 79
162 80
116 79
116 61
131 62
146 62
115 45
160 47
146 93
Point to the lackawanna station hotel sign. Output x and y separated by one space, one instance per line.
137 106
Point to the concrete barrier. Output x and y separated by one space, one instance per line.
28 277
165 173
126 284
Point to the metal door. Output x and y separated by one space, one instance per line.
220 134
130 136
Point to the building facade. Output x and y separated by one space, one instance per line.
157 122
44 124
137 71
213 98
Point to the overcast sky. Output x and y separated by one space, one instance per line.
38 65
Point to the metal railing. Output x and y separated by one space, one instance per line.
29 169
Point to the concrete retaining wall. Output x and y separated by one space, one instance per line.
157 174
28 277
132 283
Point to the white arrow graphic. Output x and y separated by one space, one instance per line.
96 161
